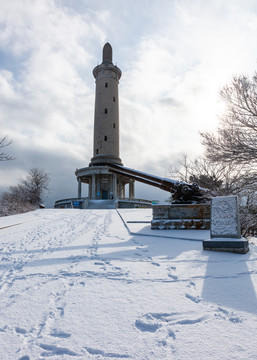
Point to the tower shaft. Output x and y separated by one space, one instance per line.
106 121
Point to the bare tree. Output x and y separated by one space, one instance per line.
236 138
220 178
236 143
4 142
35 184
223 179
182 171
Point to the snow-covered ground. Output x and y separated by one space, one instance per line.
97 284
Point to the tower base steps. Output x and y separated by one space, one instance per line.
101 204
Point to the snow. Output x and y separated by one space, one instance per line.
99 284
141 228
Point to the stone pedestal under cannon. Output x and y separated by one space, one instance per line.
181 216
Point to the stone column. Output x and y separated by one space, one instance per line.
93 187
123 191
119 189
79 188
98 187
90 188
131 189
114 186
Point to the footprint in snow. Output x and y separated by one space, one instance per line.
190 321
145 326
191 284
195 299
60 334
135 241
162 343
227 315
61 309
3 329
99 263
173 277
171 269
171 334
51 350
151 322
105 355
20 330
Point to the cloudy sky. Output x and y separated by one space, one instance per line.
175 56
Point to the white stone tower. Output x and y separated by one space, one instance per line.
106 122
104 184
106 176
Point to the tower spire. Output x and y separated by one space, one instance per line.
107 53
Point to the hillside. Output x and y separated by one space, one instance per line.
97 284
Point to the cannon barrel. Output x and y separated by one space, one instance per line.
182 191
164 184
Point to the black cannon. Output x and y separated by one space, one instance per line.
188 193
182 192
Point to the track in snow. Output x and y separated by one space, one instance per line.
76 284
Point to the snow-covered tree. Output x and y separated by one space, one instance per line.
25 196
14 202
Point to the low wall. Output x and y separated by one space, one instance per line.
71 203
82 203
134 203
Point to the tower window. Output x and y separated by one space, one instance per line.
114 99
114 125
106 84
105 138
97 151
105 110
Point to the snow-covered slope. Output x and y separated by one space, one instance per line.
96 284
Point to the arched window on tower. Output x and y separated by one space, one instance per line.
105 138
105 111
106 84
